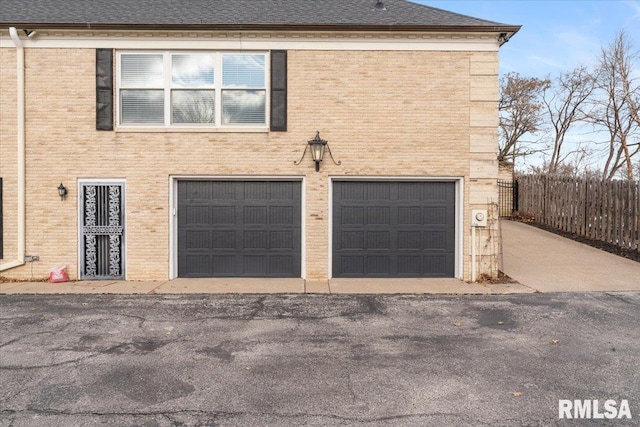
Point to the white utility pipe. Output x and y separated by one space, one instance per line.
473 254
21 151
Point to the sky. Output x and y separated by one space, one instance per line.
556 35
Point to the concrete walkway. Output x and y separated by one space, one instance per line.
547 262
265 286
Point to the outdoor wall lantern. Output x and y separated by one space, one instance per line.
317 145
62 191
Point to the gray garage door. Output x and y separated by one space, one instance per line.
393 229
239 229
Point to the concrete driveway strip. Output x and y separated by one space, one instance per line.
547 262
315 360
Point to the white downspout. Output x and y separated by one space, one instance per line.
21 152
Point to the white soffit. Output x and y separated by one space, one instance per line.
484 42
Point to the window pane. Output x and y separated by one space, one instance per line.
192 106
243 106
142 71
192 70
243 71
142 106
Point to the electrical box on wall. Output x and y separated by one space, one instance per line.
479 218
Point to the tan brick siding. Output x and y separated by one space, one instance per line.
384 114
8 152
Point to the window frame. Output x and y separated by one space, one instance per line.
169 87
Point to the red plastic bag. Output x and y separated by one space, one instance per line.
58 274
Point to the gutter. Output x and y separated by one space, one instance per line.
20 152
221 26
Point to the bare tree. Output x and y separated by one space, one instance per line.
521 110
615 106
564 100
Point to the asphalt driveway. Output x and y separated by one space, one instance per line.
205 360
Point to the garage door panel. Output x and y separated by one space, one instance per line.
253 229
223 240
284 191
435 215
379 240
439 265
352 215
378 265
352 192
351 265
255 215
281 240
352 240
198 215
221 265
198 240
411 191
216 190
435 240
196 191
409 215
408 229
256 191
281 215
409 265
254 264
378 191
280 264
409 240
439 191
198 264
223 215
255 240
378 215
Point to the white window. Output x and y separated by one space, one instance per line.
214 89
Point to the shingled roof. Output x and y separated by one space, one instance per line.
397 15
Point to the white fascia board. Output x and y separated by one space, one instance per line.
482 42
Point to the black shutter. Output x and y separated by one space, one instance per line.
278 90
104 89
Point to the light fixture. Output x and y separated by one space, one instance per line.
317 145
62 191
30 33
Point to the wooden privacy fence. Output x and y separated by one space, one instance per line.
601 210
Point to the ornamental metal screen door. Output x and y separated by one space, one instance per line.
102 230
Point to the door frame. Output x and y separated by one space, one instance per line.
173 211
123 209
458 270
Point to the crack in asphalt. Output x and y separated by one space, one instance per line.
140 319
350 387
620 298
259 303
52 365
9 342
229 414
373 305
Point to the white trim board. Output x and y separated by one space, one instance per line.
477 42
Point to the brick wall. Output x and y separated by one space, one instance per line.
8 168
384 114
